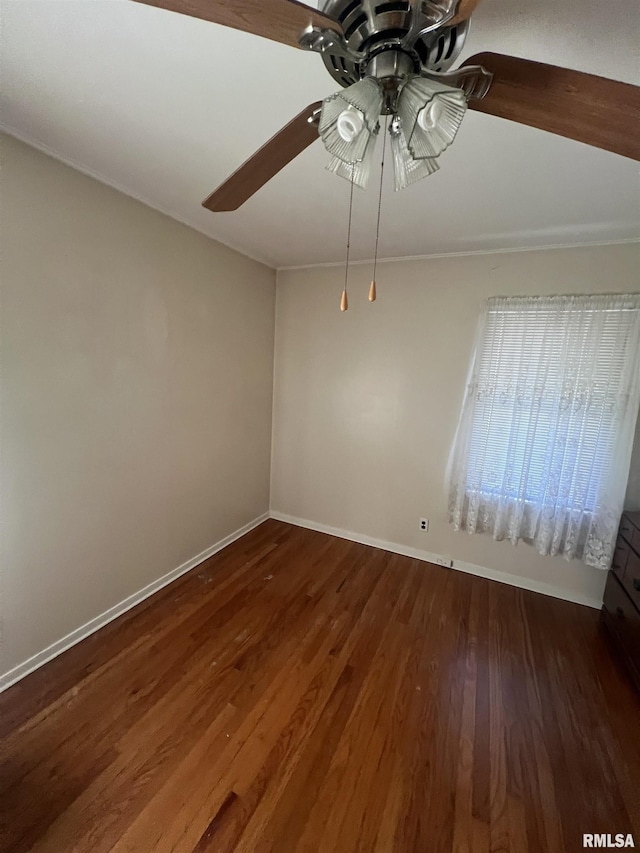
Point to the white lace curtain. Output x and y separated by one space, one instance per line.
544 442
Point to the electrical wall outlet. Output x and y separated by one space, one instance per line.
445 561
424 525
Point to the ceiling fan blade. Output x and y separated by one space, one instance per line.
600 112
265 163
464 11
279 20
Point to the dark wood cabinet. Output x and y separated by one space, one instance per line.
621 606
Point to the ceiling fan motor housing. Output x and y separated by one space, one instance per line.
381 39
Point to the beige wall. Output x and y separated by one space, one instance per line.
366 402
136 397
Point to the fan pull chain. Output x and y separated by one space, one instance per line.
372 286
344 301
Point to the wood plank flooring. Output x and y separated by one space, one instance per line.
299 693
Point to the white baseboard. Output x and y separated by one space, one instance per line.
40 658
55 649
440 559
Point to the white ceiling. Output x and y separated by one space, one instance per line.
164 107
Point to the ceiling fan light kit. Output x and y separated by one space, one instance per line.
429 114
430 110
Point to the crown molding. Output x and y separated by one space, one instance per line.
465 254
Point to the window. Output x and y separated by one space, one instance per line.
545 435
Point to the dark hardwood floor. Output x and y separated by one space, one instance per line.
298 692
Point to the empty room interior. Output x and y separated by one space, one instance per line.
319 434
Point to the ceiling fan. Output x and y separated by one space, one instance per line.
393 58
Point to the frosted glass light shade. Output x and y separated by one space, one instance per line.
431 114
361 169
350 118
406 170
